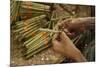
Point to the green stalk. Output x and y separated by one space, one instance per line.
36 6
23 25
78 39
28 32
48 30
31 33
30 39
24 35
32 27
36 51
34 19
36 37
38 41
34 48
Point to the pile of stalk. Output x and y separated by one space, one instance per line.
31 9
27 30
14 8
32 39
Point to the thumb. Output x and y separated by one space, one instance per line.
56 45
63 36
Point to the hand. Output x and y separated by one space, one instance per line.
74 26
63 45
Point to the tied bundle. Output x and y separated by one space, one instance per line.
27 32
31 9
14 10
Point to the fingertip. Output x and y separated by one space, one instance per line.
62 34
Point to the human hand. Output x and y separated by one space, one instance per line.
77 25
63 45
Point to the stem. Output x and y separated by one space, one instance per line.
48 30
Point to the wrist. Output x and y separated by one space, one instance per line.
79 57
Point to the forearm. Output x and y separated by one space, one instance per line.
86 23
80 58
90 22
76 56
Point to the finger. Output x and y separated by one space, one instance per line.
69 34
66 30
56 37
64 37
65 23
55 42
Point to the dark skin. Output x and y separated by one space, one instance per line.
64 45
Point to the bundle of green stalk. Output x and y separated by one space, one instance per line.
36 44
26 29
31 9
32 39
14 7
35 6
